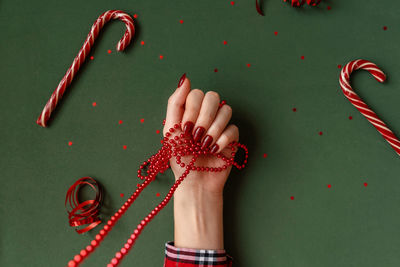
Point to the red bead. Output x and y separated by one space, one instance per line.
114 261
72 264
78 258
118 255
94 243
98 237
83 253
89 248
124 251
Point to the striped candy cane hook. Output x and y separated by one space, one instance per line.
360 105
83 53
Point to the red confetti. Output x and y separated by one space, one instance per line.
232 3
120 122
142 42
141 120
294 109
135 16
350 117
320 133
339 66
181 21
248 65
225 42
70 143
109 51
121 195
292 197
124 146
365 184
329 186
157 131
302 57
384 28
276 33
161 56
92 57
329 7
94 104
265 155
215 70
158 194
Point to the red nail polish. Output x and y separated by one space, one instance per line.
207 141
214 148
198 133
187 129
181 80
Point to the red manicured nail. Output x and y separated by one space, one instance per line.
214 148
207 141
187 129
181 80
198 133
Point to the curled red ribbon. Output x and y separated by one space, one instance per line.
86 212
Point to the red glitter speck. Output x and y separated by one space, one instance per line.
124 146
158 194
232 3
142 42
329 7
384 28
365 184
92 57
157 131
276 33
135 16
161 56
120 122
350 117
161 141
339 66
265 155
70 143
94 104
225 42
141 120
121 195
248 65
294 109
215 70
109 51
320 133
329 186
292 197
302 57
181 21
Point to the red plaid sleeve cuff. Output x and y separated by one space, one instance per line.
186 257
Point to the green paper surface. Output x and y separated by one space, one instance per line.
348 224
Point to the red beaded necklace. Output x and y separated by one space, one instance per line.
173 146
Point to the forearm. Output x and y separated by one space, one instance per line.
198 217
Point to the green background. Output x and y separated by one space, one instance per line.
348 224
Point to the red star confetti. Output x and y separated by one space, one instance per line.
121 195
109 51
384 28
141 120
158 194
320 133
135 16
329 186
248 65
142 42
276 33
365 184
302 57
215 70
292 197
92 57
161 56
94 104
225 42
232 3
181 21
157 131
350 117
294 109
265 155
70 143
124 147
329 7
339 66
120 122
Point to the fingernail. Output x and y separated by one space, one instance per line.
198 133
214 148
181 80
187 129
207 141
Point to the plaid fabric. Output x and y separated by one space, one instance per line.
186 257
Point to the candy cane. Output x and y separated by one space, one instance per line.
360 105
83 53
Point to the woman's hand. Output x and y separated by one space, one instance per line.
198 200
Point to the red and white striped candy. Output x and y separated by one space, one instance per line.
83 53
360 105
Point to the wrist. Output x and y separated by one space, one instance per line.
198 219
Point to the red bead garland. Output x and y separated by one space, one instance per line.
176 146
